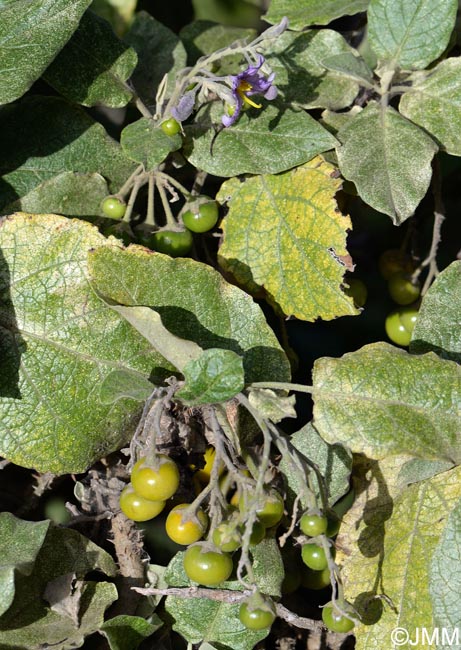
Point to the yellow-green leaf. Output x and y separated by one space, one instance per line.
283 233
386 546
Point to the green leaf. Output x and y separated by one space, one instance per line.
204 37
146 143
201 619
285 234
93 67
195 303
217 623
312 12
416 470
389 160
435 104
31 34
64 558
437 325
148 322
126 632
268 141
64 342
445 576
42 137
334 463
71 194
159 51
300 75
21 542
216 376
124 383
410 33
387 542
350 65
273 406
381 400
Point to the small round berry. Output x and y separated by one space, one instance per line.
182 531
114 207
394 261
227 537
314 557
399 325
170 126
175 243
156 484
202 215
357 290
402 289
257 613
313 524
136 507
335 621
207 567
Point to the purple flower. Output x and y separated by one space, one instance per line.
247 83
185 106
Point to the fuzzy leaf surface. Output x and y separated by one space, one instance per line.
203 37
389 160
31 35
388 541
195 303
333 461
349 65
70 194
267 141
179 352
273 406
43 137
312 12
435 104
94 66
61 341
445 577
21 542
125 632
297 60
124 383
159 51
410 34
380 401
284 233
146 143
216 376
218 623
438 324
30 622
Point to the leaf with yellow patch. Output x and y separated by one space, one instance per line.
284 234
386 548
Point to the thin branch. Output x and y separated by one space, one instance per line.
233 597
439 217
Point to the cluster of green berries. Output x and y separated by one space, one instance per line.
397 268
209 562
315 524
200 216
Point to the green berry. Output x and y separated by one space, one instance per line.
170 126
113 207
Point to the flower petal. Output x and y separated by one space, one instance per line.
184 107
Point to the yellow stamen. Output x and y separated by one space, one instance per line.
243 87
